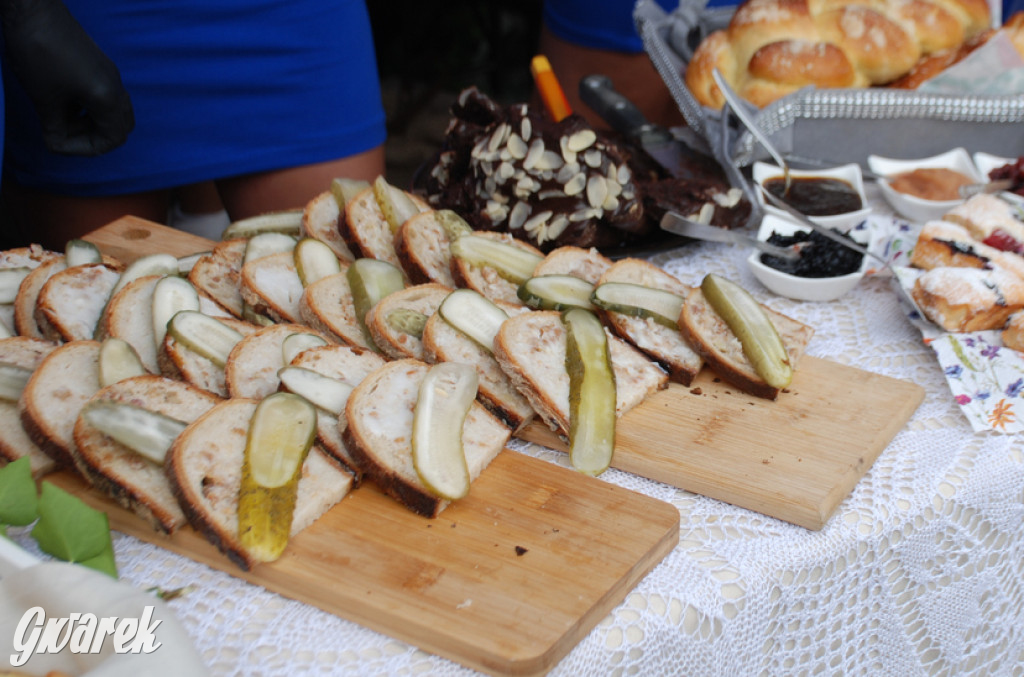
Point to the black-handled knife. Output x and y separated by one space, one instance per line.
598 92
675 156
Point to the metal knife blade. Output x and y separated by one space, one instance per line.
680 225
676 157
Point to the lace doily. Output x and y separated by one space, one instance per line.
920 570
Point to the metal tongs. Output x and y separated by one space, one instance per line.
738 107
680 225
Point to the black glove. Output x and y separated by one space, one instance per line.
76 90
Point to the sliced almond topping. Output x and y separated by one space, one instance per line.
581 140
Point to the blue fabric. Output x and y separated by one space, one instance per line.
220 88
598 24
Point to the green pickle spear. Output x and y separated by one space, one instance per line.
637 300
510 262
445 397
118 361
556 292
314 261
746 318
370 281
591 392
280 435
394 203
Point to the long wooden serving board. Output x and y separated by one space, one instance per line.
794 459
506 581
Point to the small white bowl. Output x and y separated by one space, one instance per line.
915 208
850 173
985 162
792 286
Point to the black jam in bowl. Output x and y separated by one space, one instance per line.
816 195
820 256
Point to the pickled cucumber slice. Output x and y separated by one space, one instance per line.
186 263
153 264
394 202
250 315
639 301
118 361
407 321
345 190
260 245
280 435
556 292
294 344
445 396
265 244
12 381
314 260
474 315
370 281
171 295
511 262
81 252
591 392
329 394
288 222
746 318
10 281
147 433
204 335
454 225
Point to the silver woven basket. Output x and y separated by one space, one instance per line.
832 125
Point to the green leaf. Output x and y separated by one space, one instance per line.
17 494
103 562
72 531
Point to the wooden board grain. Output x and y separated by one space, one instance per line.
506 581
130 237
795 458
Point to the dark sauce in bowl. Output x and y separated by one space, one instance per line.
816 195
822 257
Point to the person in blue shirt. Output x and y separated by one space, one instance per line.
267 99
584 37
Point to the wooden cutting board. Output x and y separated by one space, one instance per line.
506 581
794 459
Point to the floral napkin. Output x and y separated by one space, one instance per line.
985 378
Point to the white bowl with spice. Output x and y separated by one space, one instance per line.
833 197
815 259
925 189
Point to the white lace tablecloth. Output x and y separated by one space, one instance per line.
919 572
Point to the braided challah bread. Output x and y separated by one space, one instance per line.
936 62
772 48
